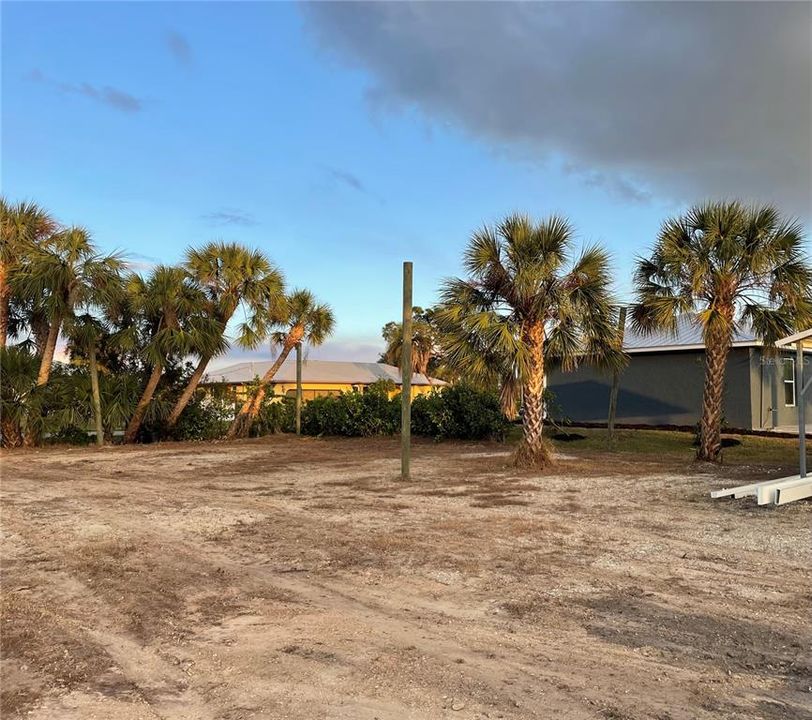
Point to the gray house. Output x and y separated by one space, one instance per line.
662 384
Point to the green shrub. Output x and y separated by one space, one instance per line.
459 412
71 435
276 415
59 411
353 414
206 417
18 374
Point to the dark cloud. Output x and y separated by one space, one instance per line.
681 99
230 216
179 47
106 95
614 185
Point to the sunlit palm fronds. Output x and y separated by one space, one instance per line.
299 319
232 277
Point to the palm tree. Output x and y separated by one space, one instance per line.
85 333
424 346
23 226
231 276
27 319
172 310
304 320
726 266
520 307
65 275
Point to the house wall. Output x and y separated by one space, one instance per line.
768 402
659 388
284 388
323 389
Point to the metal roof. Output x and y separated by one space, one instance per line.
315 371
687 337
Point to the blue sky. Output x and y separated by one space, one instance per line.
160 125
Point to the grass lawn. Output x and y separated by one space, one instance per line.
673 445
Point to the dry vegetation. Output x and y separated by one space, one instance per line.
285 578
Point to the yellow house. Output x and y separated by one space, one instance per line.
319 377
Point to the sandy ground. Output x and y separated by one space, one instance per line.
285 578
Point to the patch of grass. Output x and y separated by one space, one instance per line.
522 609
54 645
567 437
151 590
751 449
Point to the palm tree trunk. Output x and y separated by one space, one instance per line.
5 296
250 408
710 427
48 351
615 388
39 329
143 403
424 369
94 388
188 391
533 451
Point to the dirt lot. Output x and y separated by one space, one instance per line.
287 578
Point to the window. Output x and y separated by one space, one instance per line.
312 394
788 367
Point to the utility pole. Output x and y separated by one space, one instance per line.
299 388
800 404
406 375
621 331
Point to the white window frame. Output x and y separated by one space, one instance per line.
791 362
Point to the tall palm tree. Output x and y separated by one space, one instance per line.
172 310
232 276
520 307
304 320
66 275
726 266
23 225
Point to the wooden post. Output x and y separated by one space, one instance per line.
406 375
800 405
613 393
299 388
